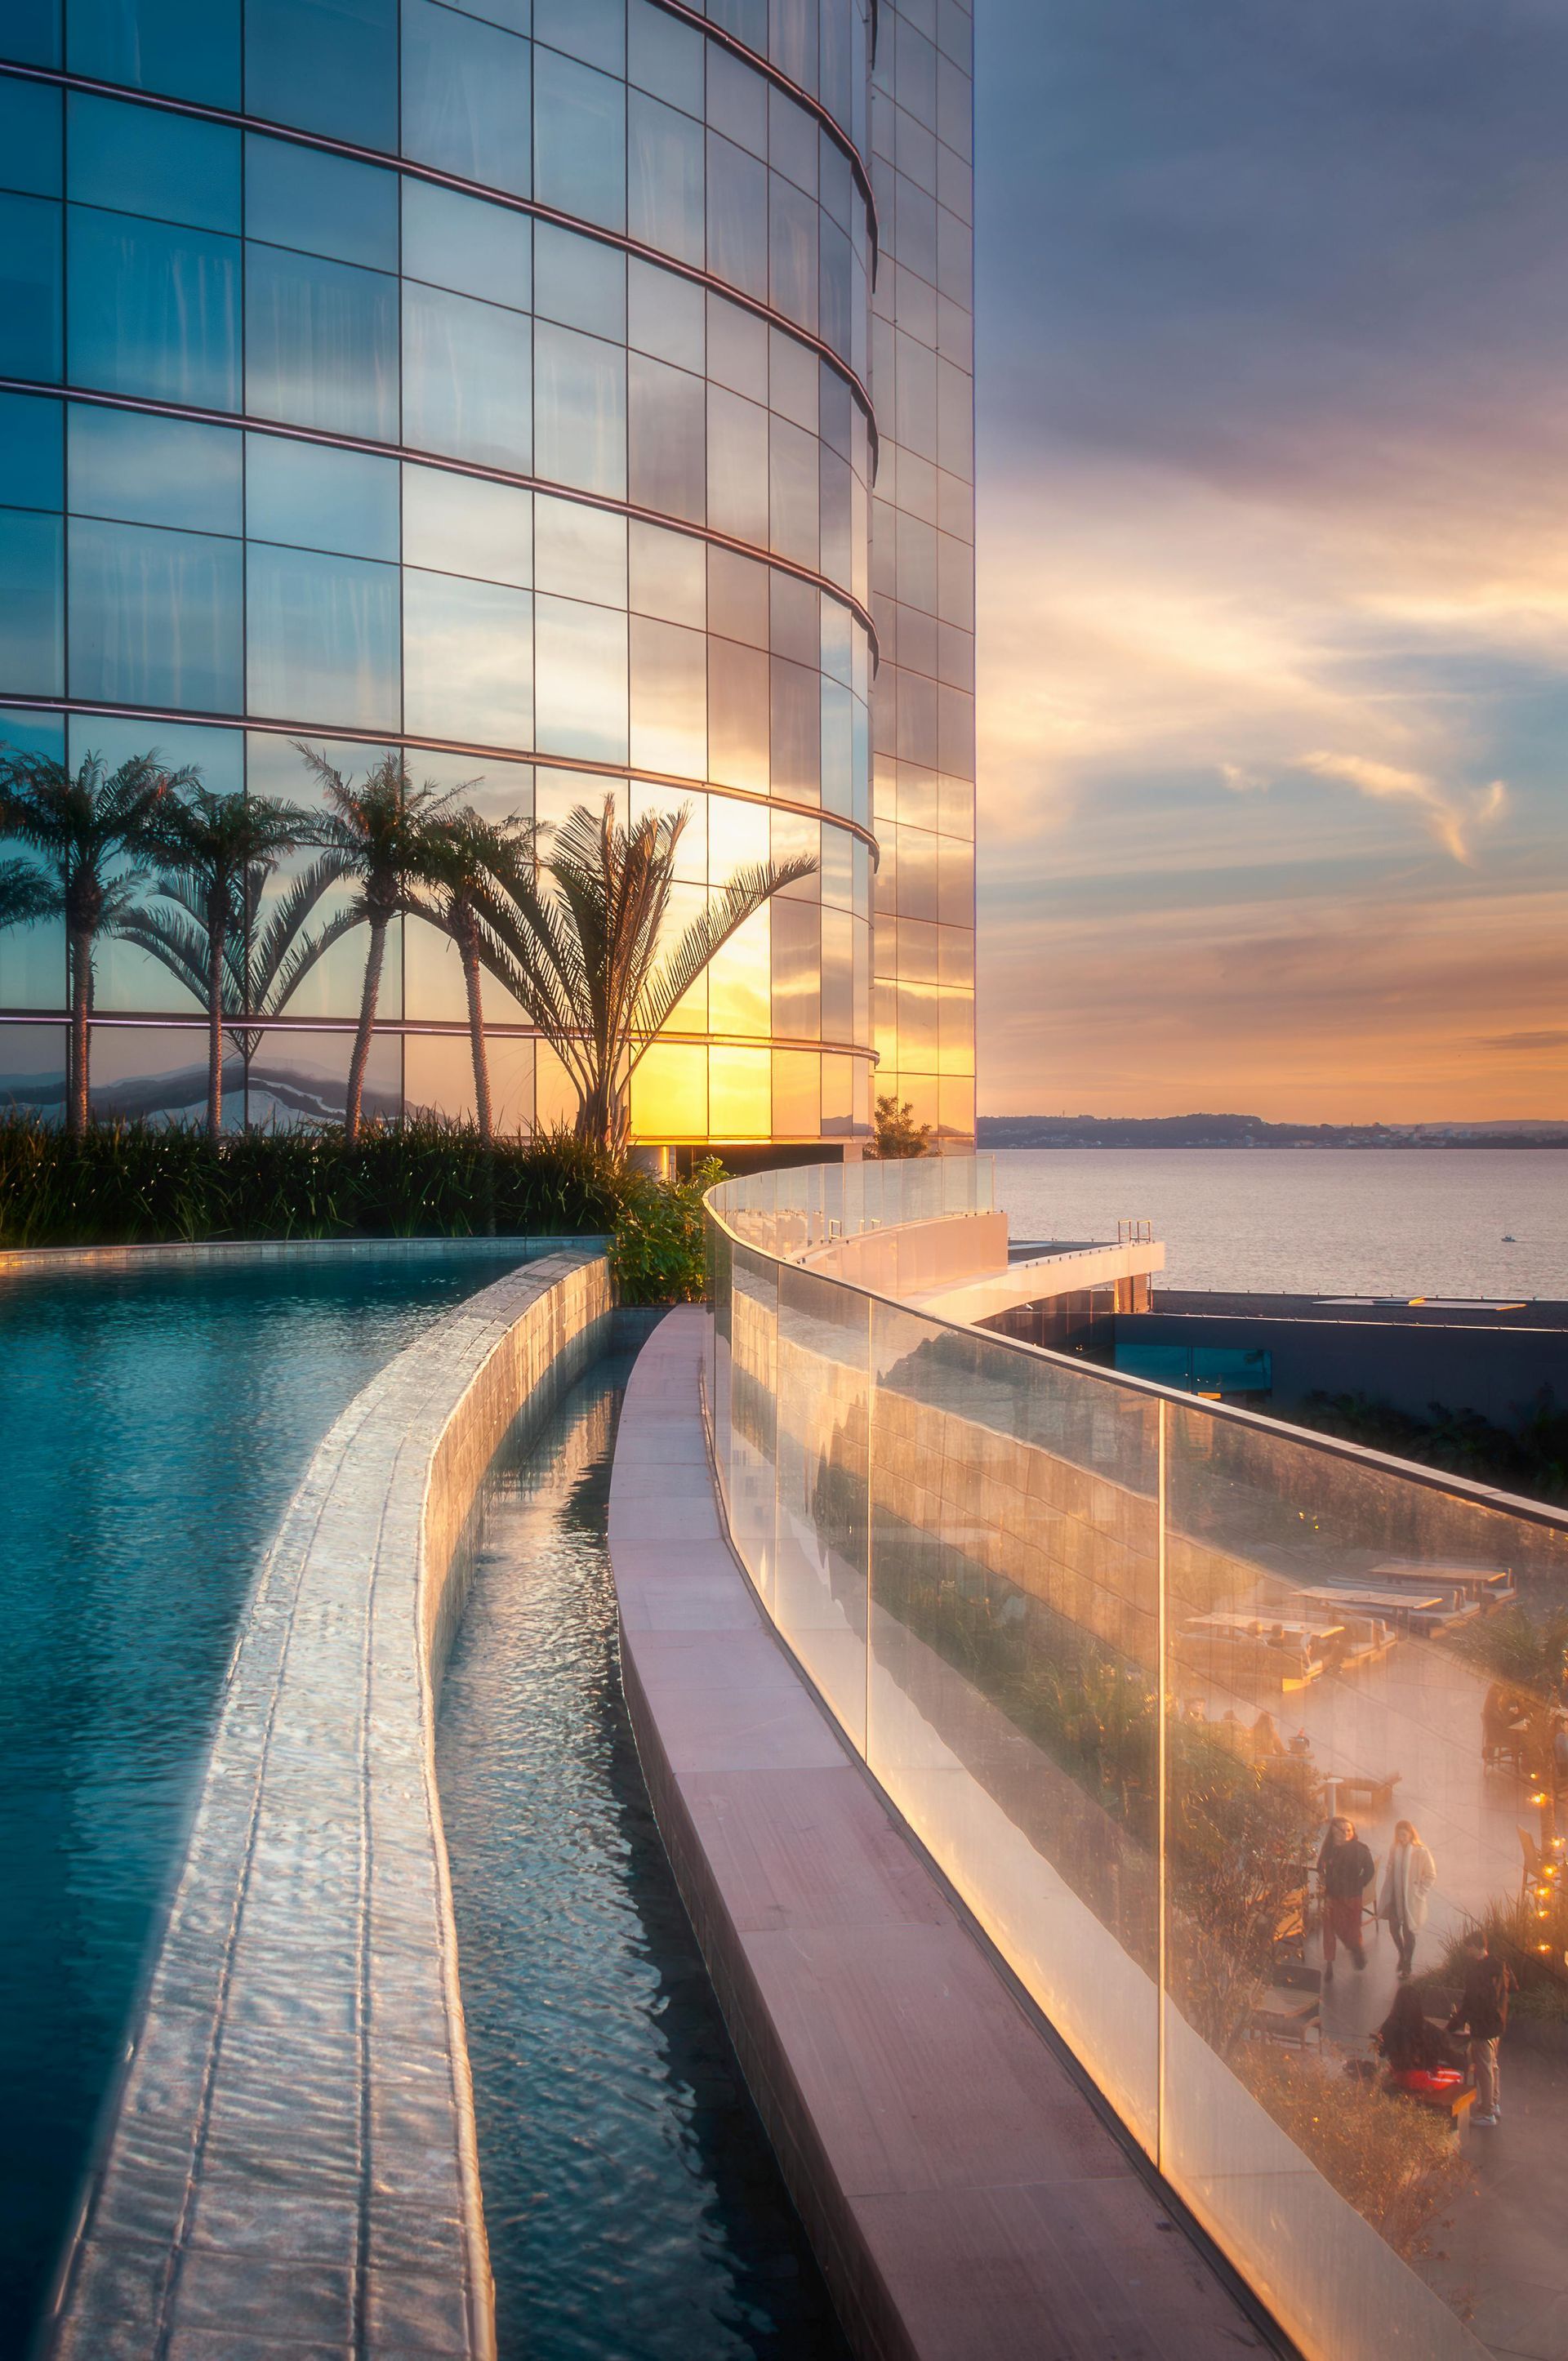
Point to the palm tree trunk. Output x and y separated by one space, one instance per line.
80 997
215 937
468 950
361 1056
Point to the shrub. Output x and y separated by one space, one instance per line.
657 1255
1394 2161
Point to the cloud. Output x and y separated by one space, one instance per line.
1526 1041
1451 813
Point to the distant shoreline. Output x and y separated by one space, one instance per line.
1228 1132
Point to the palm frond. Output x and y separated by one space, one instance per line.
748 889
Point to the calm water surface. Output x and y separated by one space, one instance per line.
634 2209
1314 1221
152 1427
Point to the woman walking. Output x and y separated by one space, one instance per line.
1408 1880
1345 1867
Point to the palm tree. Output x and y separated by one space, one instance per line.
585 962
469 864
214 843
25 894
82 823
382 832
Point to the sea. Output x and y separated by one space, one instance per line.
1473 1223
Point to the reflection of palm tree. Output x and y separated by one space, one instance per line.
583 960
82 823
381 832
215 844
25 894
468 864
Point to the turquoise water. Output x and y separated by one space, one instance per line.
152 1426
634 2209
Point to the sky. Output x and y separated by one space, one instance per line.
1272 380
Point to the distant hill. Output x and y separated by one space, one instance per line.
1252 1131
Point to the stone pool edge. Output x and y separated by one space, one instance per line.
289 2157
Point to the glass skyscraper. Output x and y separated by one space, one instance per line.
578 395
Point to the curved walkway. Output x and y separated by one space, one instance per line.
963 2197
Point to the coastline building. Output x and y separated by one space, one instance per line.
577 396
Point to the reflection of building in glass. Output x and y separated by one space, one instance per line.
546 451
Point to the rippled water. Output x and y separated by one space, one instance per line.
634 2209
153 1424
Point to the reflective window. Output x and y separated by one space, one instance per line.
151 470
466 378
666 315
737 466
667 575
793 140
737 348
141 159
29 287
791 252
796 967
326 204
30 150
579 552
322 499
838 758
795 731
154 310
321 342
579 140
322 638
463 243
669 698
467 659
793 491
737 99
31 32
185 48
31 452
326 65
738 597
155 617
32 619
579 282
461 525
579 655
737 716
665 178
737 217
663 56
666 437
466 96
594 30
579 410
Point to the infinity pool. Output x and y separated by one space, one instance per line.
153 1424
634 2208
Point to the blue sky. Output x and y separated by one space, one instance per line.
1272 404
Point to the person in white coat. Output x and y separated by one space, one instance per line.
1409 1877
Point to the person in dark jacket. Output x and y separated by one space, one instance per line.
1483 2014
1346 1867
1408 2040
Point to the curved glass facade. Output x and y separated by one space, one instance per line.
498 383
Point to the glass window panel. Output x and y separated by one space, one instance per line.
321 342
299 1076
467 659
669 698
143 159
737 348
31 147
322 638
737 466
466 96
155 617
580 677
557 794
797 1094
665 178
461 525
837 758
579 282
438 1068
793 140
464 243
665 316
151 470
691 862
737 217
796 967
738 715
836 496
835 289
32 975
185 48
739 836
837 874
669 1092
668 575
467 379
580 141
594 30
326 204
738 597
838 1097
663 56
736 100
794 370
32 619
794 627
792 42
580 411
326 65
793 491
796 731
154 310
31 452
30 316
30 32
792 251
667 459
579 552
740 1092
322 499
838 971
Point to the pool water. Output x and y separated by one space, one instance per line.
153 1424
634 2208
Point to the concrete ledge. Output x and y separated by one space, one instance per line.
962 2195
17 1262
290 2165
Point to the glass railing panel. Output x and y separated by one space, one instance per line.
750 1443
718 1257
1340 1638
1012 1702
819 1582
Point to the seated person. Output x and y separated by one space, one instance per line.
1410 2043
1264 1738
